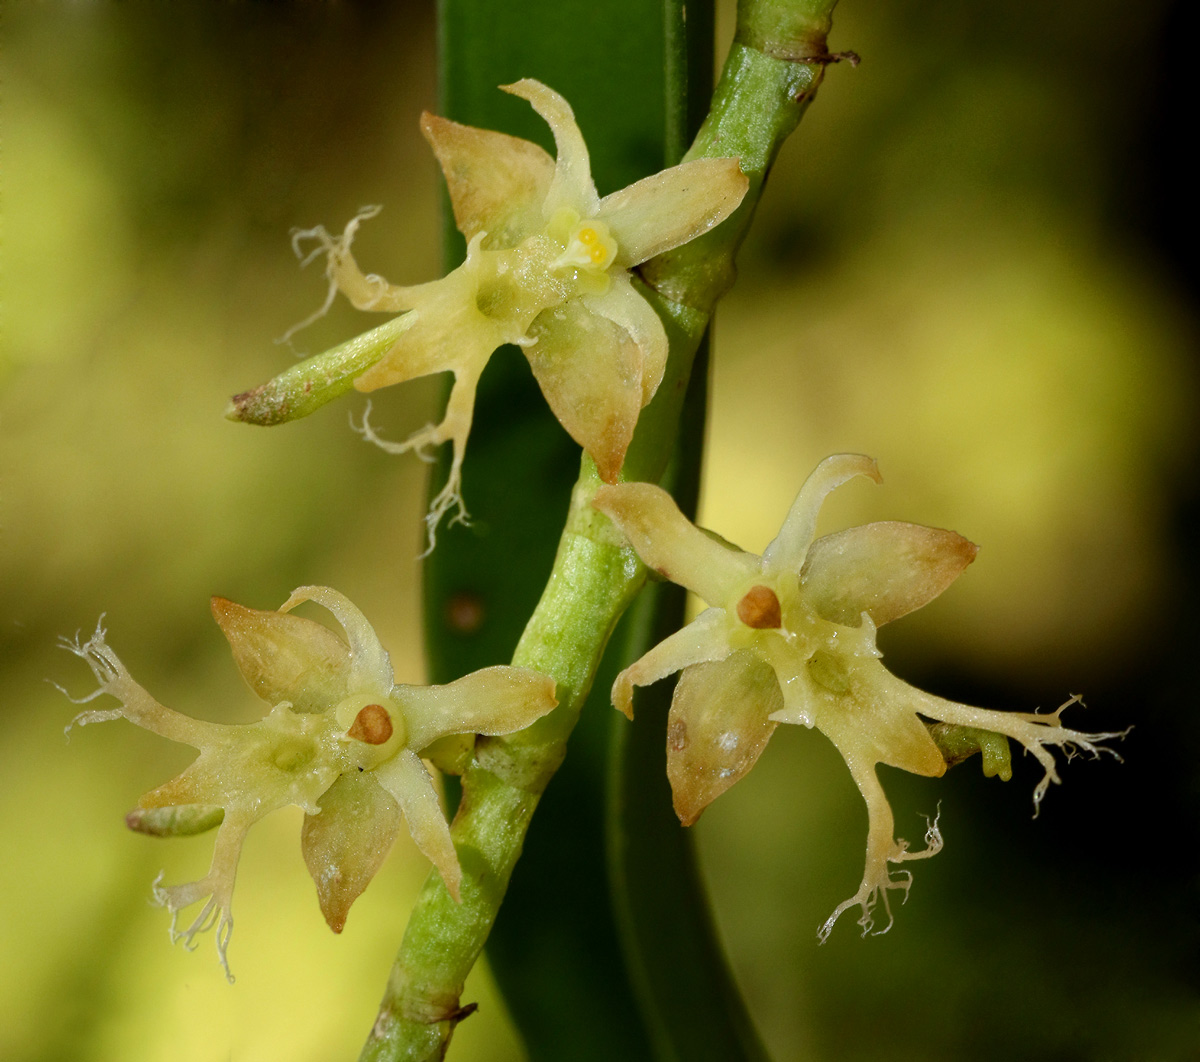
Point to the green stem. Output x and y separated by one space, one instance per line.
595 576
700 272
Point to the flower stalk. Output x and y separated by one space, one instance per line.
595 576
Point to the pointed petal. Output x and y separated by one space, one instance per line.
370 667
790 546
1034 730
705 639
717 728
345 845
406 779
672 545
671 207
882 848
285 658
591 374
218 884
137 705
494 700
622 305
885 569
497 183
572 184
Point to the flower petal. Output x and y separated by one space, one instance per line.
497 183
789 548
572 184
370 666
285 658
624 306
494 700
1034 730
137 705
590 371
705 639
406 779
882 848
672 545
717 728
345 845
885 569
671 207
217 885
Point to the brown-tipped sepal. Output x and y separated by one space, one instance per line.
284 657
717 728
346 843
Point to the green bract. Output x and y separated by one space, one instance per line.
790 638
547 268
342 741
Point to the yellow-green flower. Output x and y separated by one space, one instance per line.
341 740
789 637
547 268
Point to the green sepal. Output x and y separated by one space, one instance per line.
957 743
308 385
185 820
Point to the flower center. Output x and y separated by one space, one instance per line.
759 608
589 246
373 720
372 725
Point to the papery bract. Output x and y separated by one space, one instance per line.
789 637
341 740
547 268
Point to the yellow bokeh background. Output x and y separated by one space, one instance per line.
935 283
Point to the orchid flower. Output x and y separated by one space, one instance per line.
789 637
547 268
341 740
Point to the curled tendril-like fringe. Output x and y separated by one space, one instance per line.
450 496
1072 742
878 881
212 914
333 249
105 668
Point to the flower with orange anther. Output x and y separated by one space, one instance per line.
790 638
547 268
341 740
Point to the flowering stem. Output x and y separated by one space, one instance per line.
595 575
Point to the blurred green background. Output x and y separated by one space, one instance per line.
972 263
